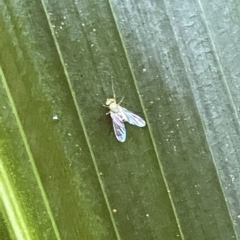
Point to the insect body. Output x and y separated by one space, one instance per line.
120 115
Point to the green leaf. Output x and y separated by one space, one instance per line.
63 174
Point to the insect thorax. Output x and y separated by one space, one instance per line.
114 107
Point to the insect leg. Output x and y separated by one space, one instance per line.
121 100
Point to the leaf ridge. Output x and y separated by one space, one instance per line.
82 122
30 156
149 127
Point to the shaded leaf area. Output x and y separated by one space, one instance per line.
21 194
4 233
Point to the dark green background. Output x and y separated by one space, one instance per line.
176 63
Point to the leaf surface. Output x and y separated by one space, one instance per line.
63 174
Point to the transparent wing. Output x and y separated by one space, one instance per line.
119 127
133 119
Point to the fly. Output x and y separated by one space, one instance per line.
119 116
